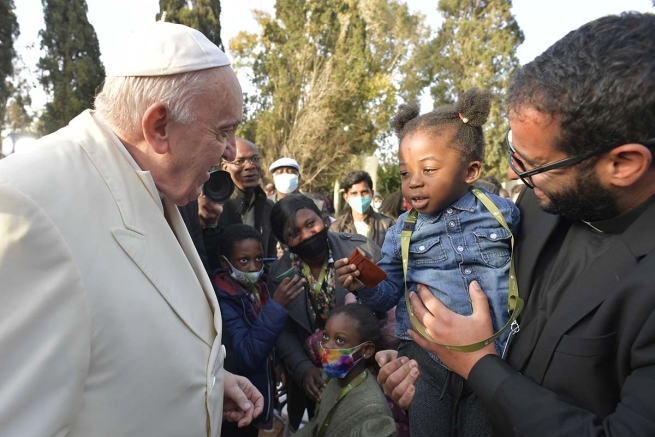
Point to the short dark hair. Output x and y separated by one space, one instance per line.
283 214
355 177
598 82
235 233
368 324
473 107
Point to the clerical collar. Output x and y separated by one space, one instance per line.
620 223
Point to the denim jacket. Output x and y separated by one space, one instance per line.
448 251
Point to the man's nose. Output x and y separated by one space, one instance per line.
511 174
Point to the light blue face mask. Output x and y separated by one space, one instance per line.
247 279
285 182
360 203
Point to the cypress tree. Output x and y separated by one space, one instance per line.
70 68
8 33
476 47
202 15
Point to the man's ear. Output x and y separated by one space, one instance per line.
473 172
625 165
345 197
224 165
156 127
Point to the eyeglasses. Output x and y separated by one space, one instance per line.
526 175
256 159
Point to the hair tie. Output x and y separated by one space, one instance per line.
461 117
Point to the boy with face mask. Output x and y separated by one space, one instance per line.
361 218
252 319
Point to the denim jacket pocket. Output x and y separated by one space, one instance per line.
494 246
427 251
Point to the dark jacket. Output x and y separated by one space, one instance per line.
251 339
232 215
378 224
591 369
299 325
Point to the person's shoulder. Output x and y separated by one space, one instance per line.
383 218
336 225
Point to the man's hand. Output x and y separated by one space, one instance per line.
288 290
313 383
208 212
242 402
448 327
397 377
346 274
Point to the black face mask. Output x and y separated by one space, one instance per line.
313 247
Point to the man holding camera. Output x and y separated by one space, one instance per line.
109 325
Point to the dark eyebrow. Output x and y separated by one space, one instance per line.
430 158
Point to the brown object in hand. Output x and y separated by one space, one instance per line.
370 274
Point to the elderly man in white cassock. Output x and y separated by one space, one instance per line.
109 325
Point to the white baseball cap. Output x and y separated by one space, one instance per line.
162 49
284 162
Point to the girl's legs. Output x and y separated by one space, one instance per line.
443 406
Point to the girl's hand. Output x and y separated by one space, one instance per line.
313 383
346 274
288 290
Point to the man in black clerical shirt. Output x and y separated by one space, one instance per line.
581 138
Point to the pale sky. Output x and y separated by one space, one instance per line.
542 22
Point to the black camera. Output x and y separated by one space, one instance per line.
219 187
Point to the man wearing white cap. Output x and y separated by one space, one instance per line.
109 325
286 178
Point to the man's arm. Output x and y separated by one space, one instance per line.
45 325
516 403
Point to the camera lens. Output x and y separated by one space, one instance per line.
219 187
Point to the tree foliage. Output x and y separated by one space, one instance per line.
476 47
70 68
202 15
9 31
327 75
18 116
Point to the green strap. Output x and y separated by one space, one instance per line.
514 302
321 277
344 391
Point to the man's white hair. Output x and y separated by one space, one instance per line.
123 100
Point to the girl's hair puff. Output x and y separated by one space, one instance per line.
368 324
473 107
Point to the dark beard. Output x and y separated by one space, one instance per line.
587 200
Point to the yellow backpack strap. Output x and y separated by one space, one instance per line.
514 302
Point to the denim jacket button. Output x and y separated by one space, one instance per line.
467 271
421 248
460 249
493 236
451 224
449 210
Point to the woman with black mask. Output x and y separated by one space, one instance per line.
296 222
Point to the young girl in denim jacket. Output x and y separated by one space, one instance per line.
455 241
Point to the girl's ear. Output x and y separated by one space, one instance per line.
224 263
368 350
473 172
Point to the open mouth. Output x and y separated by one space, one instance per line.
420 202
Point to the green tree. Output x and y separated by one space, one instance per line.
18 115
202 15
327 75
70 68
476 47
8 33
